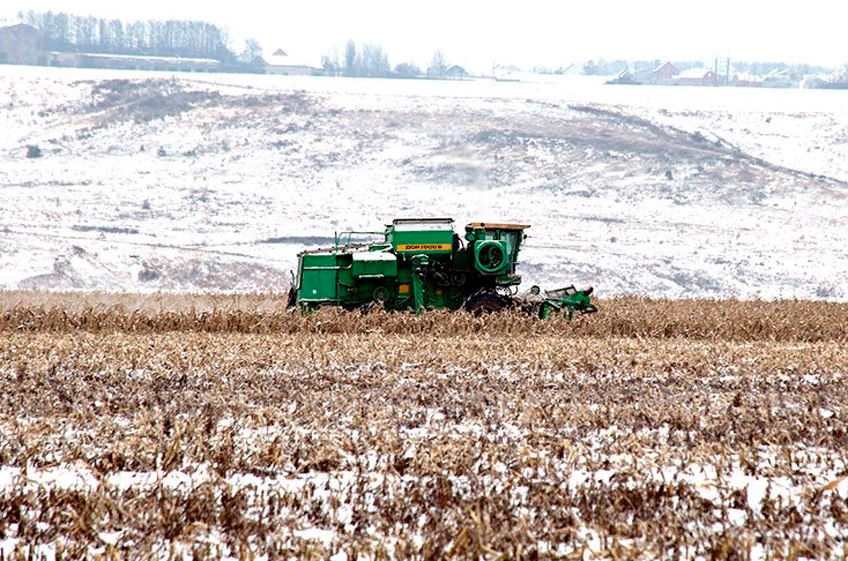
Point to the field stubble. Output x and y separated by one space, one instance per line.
203 427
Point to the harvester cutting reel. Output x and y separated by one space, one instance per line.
567 301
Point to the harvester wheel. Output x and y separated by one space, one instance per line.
381 294
485 303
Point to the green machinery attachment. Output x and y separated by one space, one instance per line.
566 301
421 263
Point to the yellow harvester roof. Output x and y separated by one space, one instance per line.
498 226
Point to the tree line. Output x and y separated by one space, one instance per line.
603 67
178 38
370 60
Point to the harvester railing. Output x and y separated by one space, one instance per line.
339 236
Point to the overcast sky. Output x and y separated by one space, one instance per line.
476 33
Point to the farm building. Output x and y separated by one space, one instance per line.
132 62
744 79
282 63
732 76
781 78
136 62
19 44
626 76
456 72
506 73
663 74
55 58
699 76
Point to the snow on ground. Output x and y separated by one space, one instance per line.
818 475
154 181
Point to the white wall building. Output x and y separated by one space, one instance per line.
282 63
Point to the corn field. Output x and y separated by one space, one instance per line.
224 427
629 317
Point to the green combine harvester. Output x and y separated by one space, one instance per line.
420 264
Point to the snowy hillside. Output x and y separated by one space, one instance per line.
214 182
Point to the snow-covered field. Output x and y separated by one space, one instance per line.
371 445
124 435
214 182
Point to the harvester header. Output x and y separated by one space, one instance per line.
421 263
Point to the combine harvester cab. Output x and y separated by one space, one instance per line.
421 263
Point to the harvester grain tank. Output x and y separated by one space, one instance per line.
421 263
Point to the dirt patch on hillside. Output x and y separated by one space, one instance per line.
592 148
210 274
635 134
145 100
142 101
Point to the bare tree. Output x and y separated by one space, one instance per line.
88 32
350 59
330 63
62 31
252 50
439 64
407 70
375 62
116 31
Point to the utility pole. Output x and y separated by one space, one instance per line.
715 72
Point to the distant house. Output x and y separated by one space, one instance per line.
781 78
282 63
257 65
19 44
837 80
744 79
699 76
663 74
626 76
813 82
509 73
456 72
55 58
574 69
